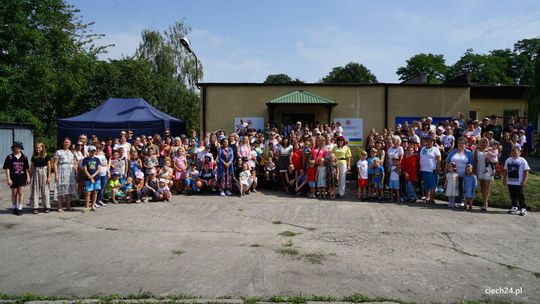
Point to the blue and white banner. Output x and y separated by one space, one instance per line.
353 130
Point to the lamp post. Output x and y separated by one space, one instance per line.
185 43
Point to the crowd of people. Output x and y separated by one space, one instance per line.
410 162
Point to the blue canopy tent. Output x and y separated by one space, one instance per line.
117 114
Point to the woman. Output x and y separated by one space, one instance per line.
284 159
66 170
79 154
430 165
462 157
225 168
40 172
244 149
319 151
214 145
484 173
343 155
165 151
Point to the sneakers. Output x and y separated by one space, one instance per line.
523 212
513 210
19 212
100 204
228 193
221 193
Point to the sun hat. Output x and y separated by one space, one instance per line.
139 175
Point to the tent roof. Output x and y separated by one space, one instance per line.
115 110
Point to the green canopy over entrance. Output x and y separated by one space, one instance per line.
300 104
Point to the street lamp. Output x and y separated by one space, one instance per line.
185 43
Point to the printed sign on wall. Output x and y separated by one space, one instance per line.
352 130
256 123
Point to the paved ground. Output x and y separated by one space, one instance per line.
210 246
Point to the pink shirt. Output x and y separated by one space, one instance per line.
317 153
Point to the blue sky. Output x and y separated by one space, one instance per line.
244 41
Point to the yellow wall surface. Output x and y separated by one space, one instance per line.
225 102
488 107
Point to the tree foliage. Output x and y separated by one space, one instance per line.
281 79
432 65
352 72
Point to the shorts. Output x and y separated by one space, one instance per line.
89 187
362 182
394 184
429 179
378 185
312 184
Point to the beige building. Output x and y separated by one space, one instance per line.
376 104
503 101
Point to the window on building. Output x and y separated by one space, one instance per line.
473 115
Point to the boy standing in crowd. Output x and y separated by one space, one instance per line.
91 168
516 172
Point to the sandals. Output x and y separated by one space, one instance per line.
60 210
35 211
46 210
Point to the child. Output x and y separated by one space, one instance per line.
244 179
270 170
321 178
290 178
138 188
409 167
378 178
395 174
17 175
113 188
91 169
114 164
516 173
150 162
301 183
362 166
164 192
151 186
123 164
492 158
451 185
127 188
167 173
180 168
470 182
372 157
332 176
102 175
40 171
191 180
312 177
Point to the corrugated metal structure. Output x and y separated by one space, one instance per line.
301 97
10 132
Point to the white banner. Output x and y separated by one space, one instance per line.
353 130
256 123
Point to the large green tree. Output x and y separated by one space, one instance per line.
432 65
483 68
281 79
352 72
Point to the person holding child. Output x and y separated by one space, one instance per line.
484 171
40 173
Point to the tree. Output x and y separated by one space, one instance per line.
352 72
526 52
281 78
483 69
432 65
533 94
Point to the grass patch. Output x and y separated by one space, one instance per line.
500 198
288 244
255 245
240 209
315 258
288 233
537 274
287 251
178 252
276 222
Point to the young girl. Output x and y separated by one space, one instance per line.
114 190
135 164
127 188
151 186
492 158
166 173
180 168
17 175
372 156
451 185
470 183
301 183
150 162
312 178
321 178
191 178
138 188
290 178
40 171
332 176
362 166
395 174
244 179
270 171
164 192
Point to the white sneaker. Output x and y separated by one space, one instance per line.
462 205
228 193
523 212
100 204
513 210
221 193
97 205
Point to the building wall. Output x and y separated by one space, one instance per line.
488 107
224 102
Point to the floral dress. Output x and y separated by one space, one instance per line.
225 176
67 183
331 174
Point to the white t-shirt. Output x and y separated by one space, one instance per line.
362 169
477 132
103 163
515 168
461 161
394 176
428 161
522 140
448 140
126 146
394 152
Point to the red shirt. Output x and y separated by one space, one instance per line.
409 165
297 159
312 174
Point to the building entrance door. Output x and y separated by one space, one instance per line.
292 118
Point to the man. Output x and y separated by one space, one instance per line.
130 138
122 143
516 173
495 127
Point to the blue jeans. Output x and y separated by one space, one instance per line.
410 194
101 192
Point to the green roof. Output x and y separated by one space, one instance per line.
301 97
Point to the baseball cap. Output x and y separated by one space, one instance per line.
139 175
91 148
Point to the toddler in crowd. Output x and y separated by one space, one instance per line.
492 158
191 178
312 178
270 170
378 178
164 192
150 162
470 183
332 176
244 179
321 178
180 168
451 185
127 188
395 174
362 166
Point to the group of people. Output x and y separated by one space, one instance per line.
411 161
